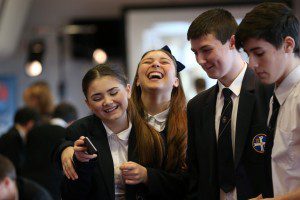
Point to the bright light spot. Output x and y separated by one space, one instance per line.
100 56
33 68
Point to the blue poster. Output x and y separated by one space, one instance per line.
7 102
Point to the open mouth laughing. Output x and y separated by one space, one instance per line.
155 75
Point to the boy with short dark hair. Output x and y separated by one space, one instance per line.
269 35
226 123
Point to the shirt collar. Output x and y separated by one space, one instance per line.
59 122
21 131
287 85
123 135
236 85
160 117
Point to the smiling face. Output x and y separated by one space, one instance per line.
267 61
214 57
157 71
107 98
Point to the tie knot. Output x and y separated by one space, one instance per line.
227 93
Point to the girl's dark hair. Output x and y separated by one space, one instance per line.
148 141
100 71
176 121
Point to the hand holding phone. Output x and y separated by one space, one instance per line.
91 149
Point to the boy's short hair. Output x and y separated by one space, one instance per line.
7 169
218 22
26 114
271 22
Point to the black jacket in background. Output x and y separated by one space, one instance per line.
13 147
38 166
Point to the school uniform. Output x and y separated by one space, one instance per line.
96 177
249 117
286 150
13 146
38 166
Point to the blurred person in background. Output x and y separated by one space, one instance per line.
13 143
13 187
39 96
200 85
41 142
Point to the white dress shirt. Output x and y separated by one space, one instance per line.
235 87
286 149
59 122
118 144
158 121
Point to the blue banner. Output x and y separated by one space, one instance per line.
7 102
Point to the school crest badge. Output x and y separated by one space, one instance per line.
259 142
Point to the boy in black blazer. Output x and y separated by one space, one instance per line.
226 129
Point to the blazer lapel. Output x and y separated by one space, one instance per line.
244 114
209 124
105 160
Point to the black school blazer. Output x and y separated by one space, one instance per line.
96 178
250 169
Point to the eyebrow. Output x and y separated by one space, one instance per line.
201 48
255 48
168 59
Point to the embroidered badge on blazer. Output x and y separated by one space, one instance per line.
259 142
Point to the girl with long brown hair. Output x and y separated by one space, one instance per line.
159 100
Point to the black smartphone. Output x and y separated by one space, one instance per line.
91 149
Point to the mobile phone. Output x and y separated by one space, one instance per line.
91 149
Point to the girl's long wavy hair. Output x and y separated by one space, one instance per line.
148 141
175 151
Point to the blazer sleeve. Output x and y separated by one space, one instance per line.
71 136
166 185
81 187
191 156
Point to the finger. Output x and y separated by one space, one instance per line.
129 177
131 182
129 172
80 148
79 143
71 171
66 172
127 166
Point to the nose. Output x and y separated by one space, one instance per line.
107 101
252 62
155 64
200 59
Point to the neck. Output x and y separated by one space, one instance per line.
236 68
155 103
291 64
118 125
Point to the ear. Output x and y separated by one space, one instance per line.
176 83
288 44
128 90
30 124
232 42
137 81
87 103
